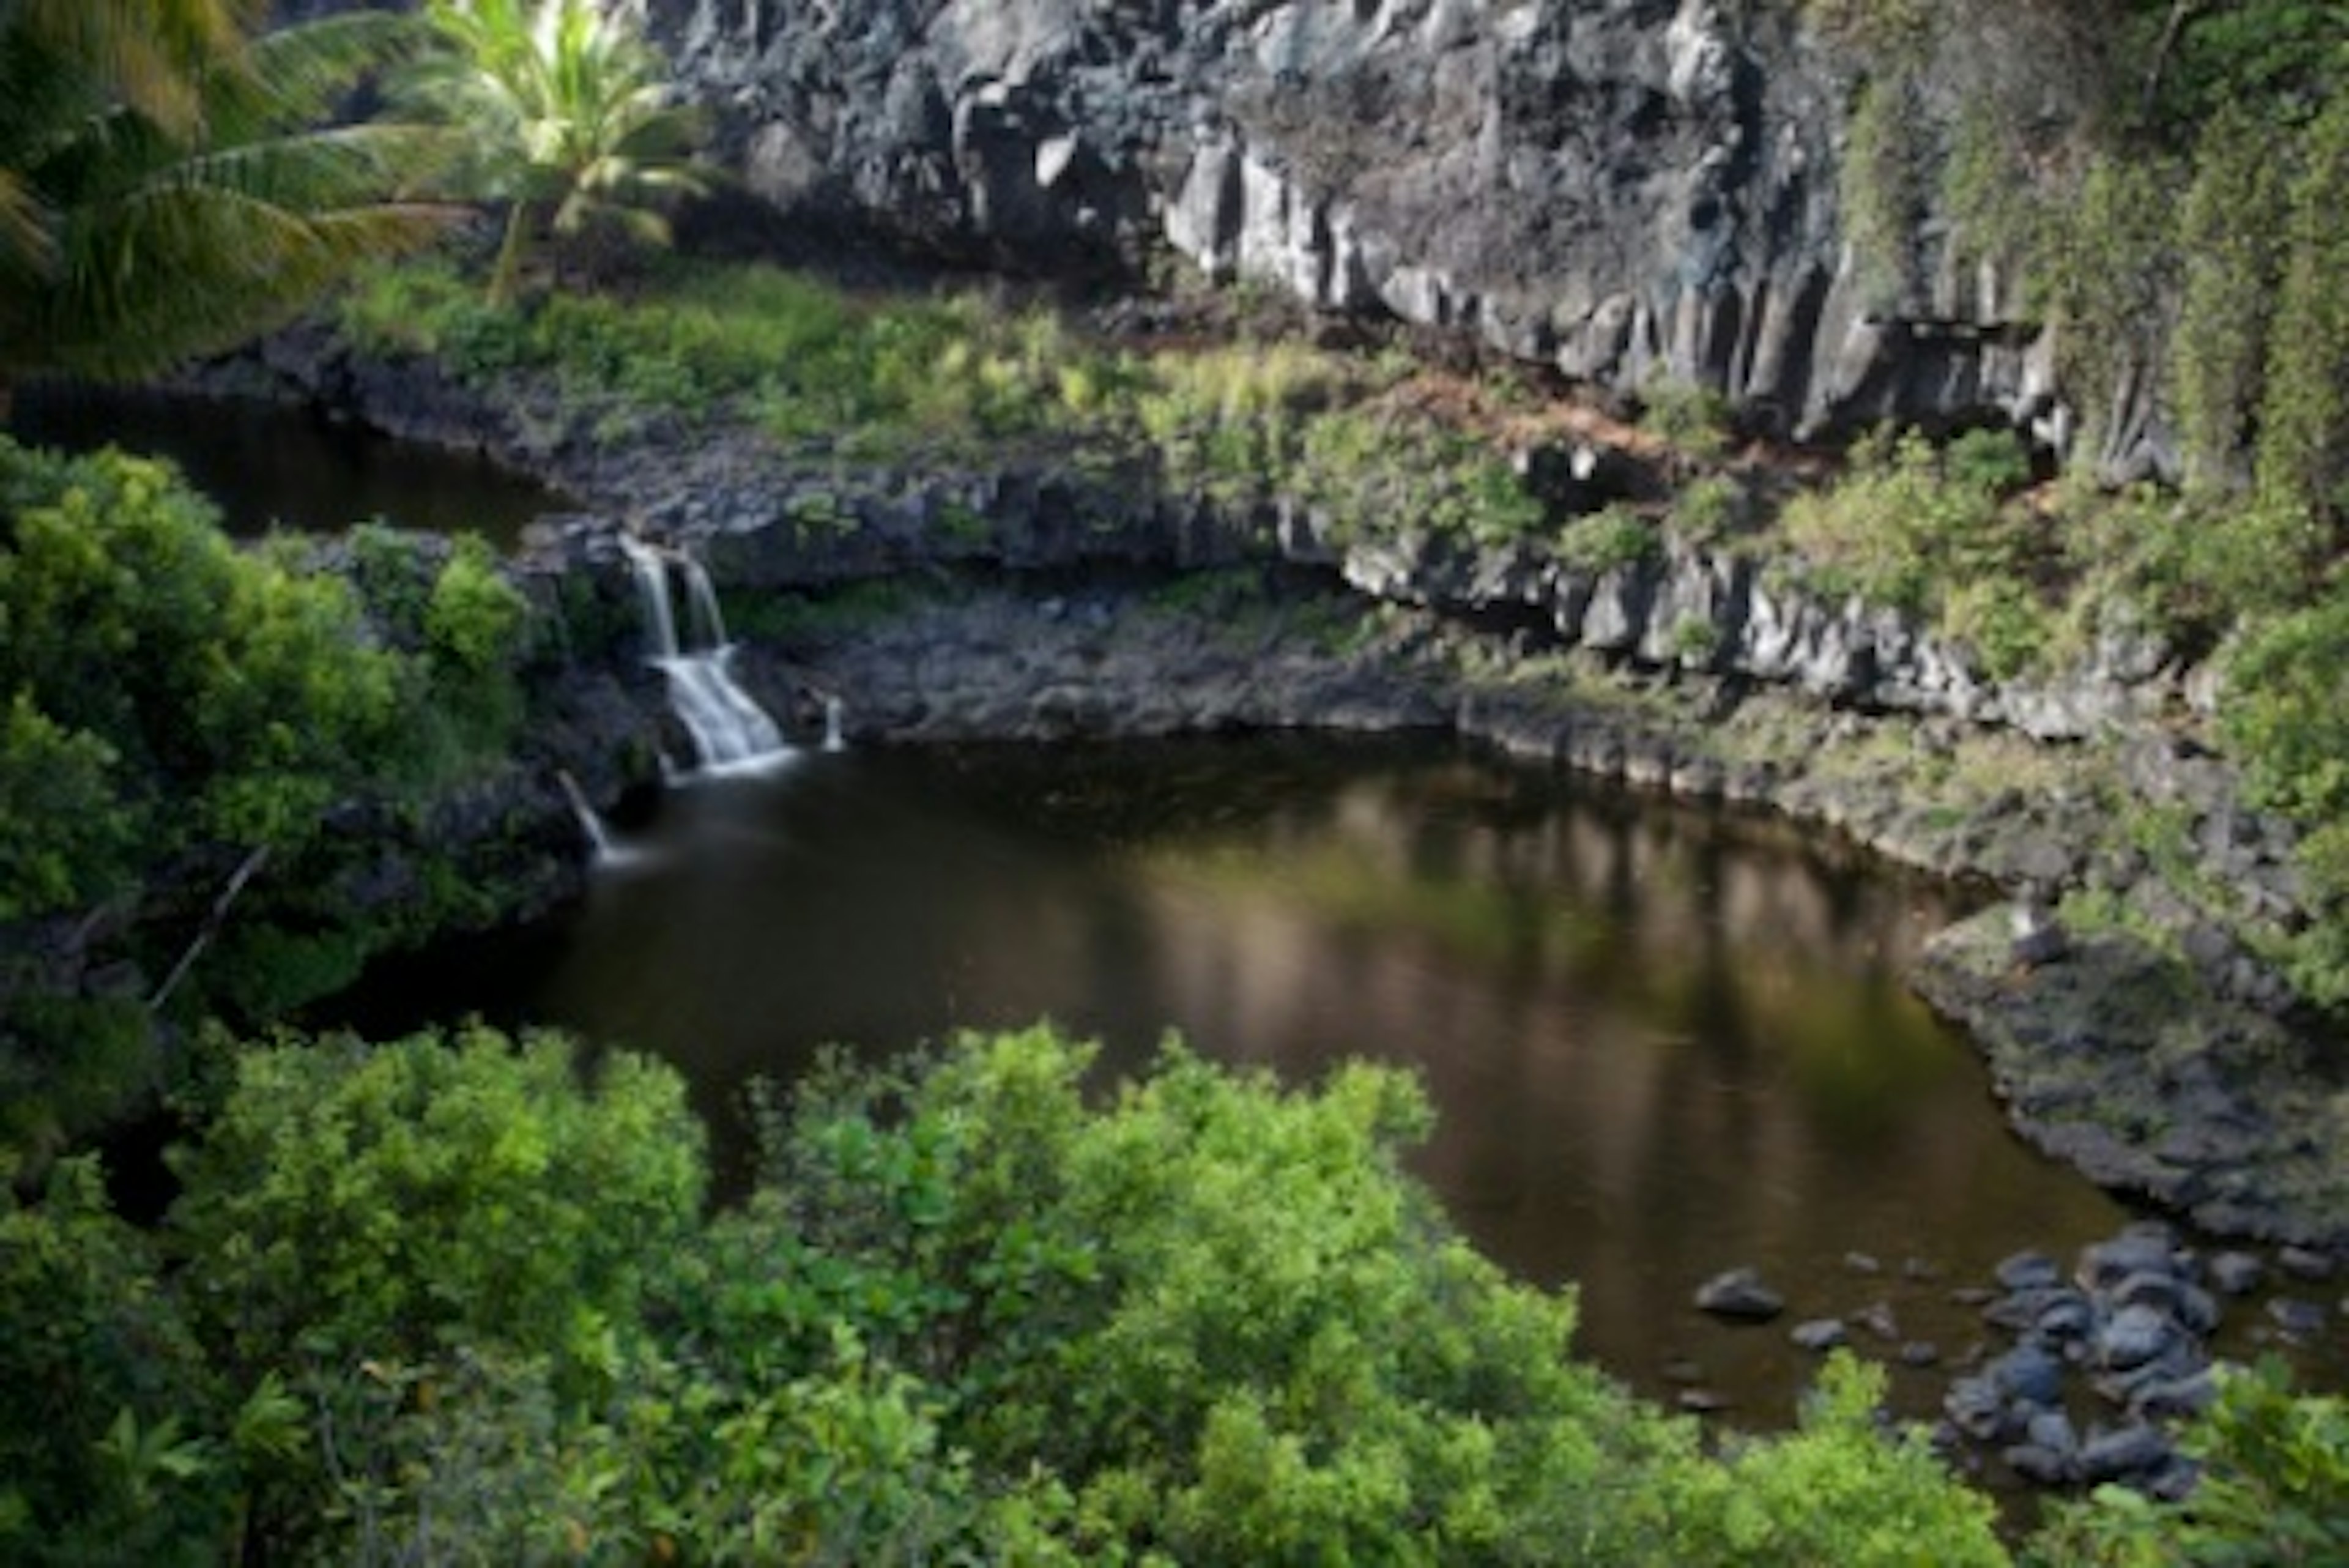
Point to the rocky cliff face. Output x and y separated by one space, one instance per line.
1626 189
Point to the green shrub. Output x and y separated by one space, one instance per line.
2287 719
2303 412
66 833
1841 1491
1896 524
103 1391
451 1298
1708 511
2230 229
1697 422
1613 537
180 692
397 1200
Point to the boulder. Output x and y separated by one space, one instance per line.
1738 1295
1820 1334
2132 1452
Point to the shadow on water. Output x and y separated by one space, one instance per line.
280 465
1660 1041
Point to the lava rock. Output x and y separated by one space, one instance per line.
1978 1408
1877 1319
1738 1295
2028 1272
2300 1319
1919 1353
1820 1334
2028 1374
2039 939
2053 1430
2175 1398
2137 1450
2134 1336
2237 1273
2306 1264
2143 1249
2041 1467
2067 1315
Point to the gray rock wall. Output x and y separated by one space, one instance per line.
1626 189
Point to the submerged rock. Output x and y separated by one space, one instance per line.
1739 1295
1820 1334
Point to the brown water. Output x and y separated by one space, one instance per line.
274 465
1661 1043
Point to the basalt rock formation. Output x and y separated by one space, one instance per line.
1629 191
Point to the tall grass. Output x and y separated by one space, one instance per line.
958 376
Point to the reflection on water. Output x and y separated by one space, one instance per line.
1661 1043
272 465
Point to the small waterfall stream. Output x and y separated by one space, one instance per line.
591 826
730 731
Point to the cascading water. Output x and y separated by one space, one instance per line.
834 712
731 732
591 826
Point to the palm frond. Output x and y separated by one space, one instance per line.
300 74
28 245
183 266
323 170
148 53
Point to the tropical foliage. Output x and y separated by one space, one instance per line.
181 713
165 188
195 695
568 115
455 1298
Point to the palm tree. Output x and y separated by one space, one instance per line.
569 114
165 189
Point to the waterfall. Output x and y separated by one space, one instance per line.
834 712
599 837
702 600
652 588
729 731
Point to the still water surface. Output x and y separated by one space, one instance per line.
1660 1041
276 465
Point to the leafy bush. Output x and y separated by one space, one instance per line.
1907 521
2288 722
2303 412
1841 1491
99 1377
1696 420
1608 539
449 1299
1708 511
395 1201
183 693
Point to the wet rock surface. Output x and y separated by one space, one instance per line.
2116 1060
1738 1295
1645 188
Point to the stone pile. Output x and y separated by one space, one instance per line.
2124 1342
